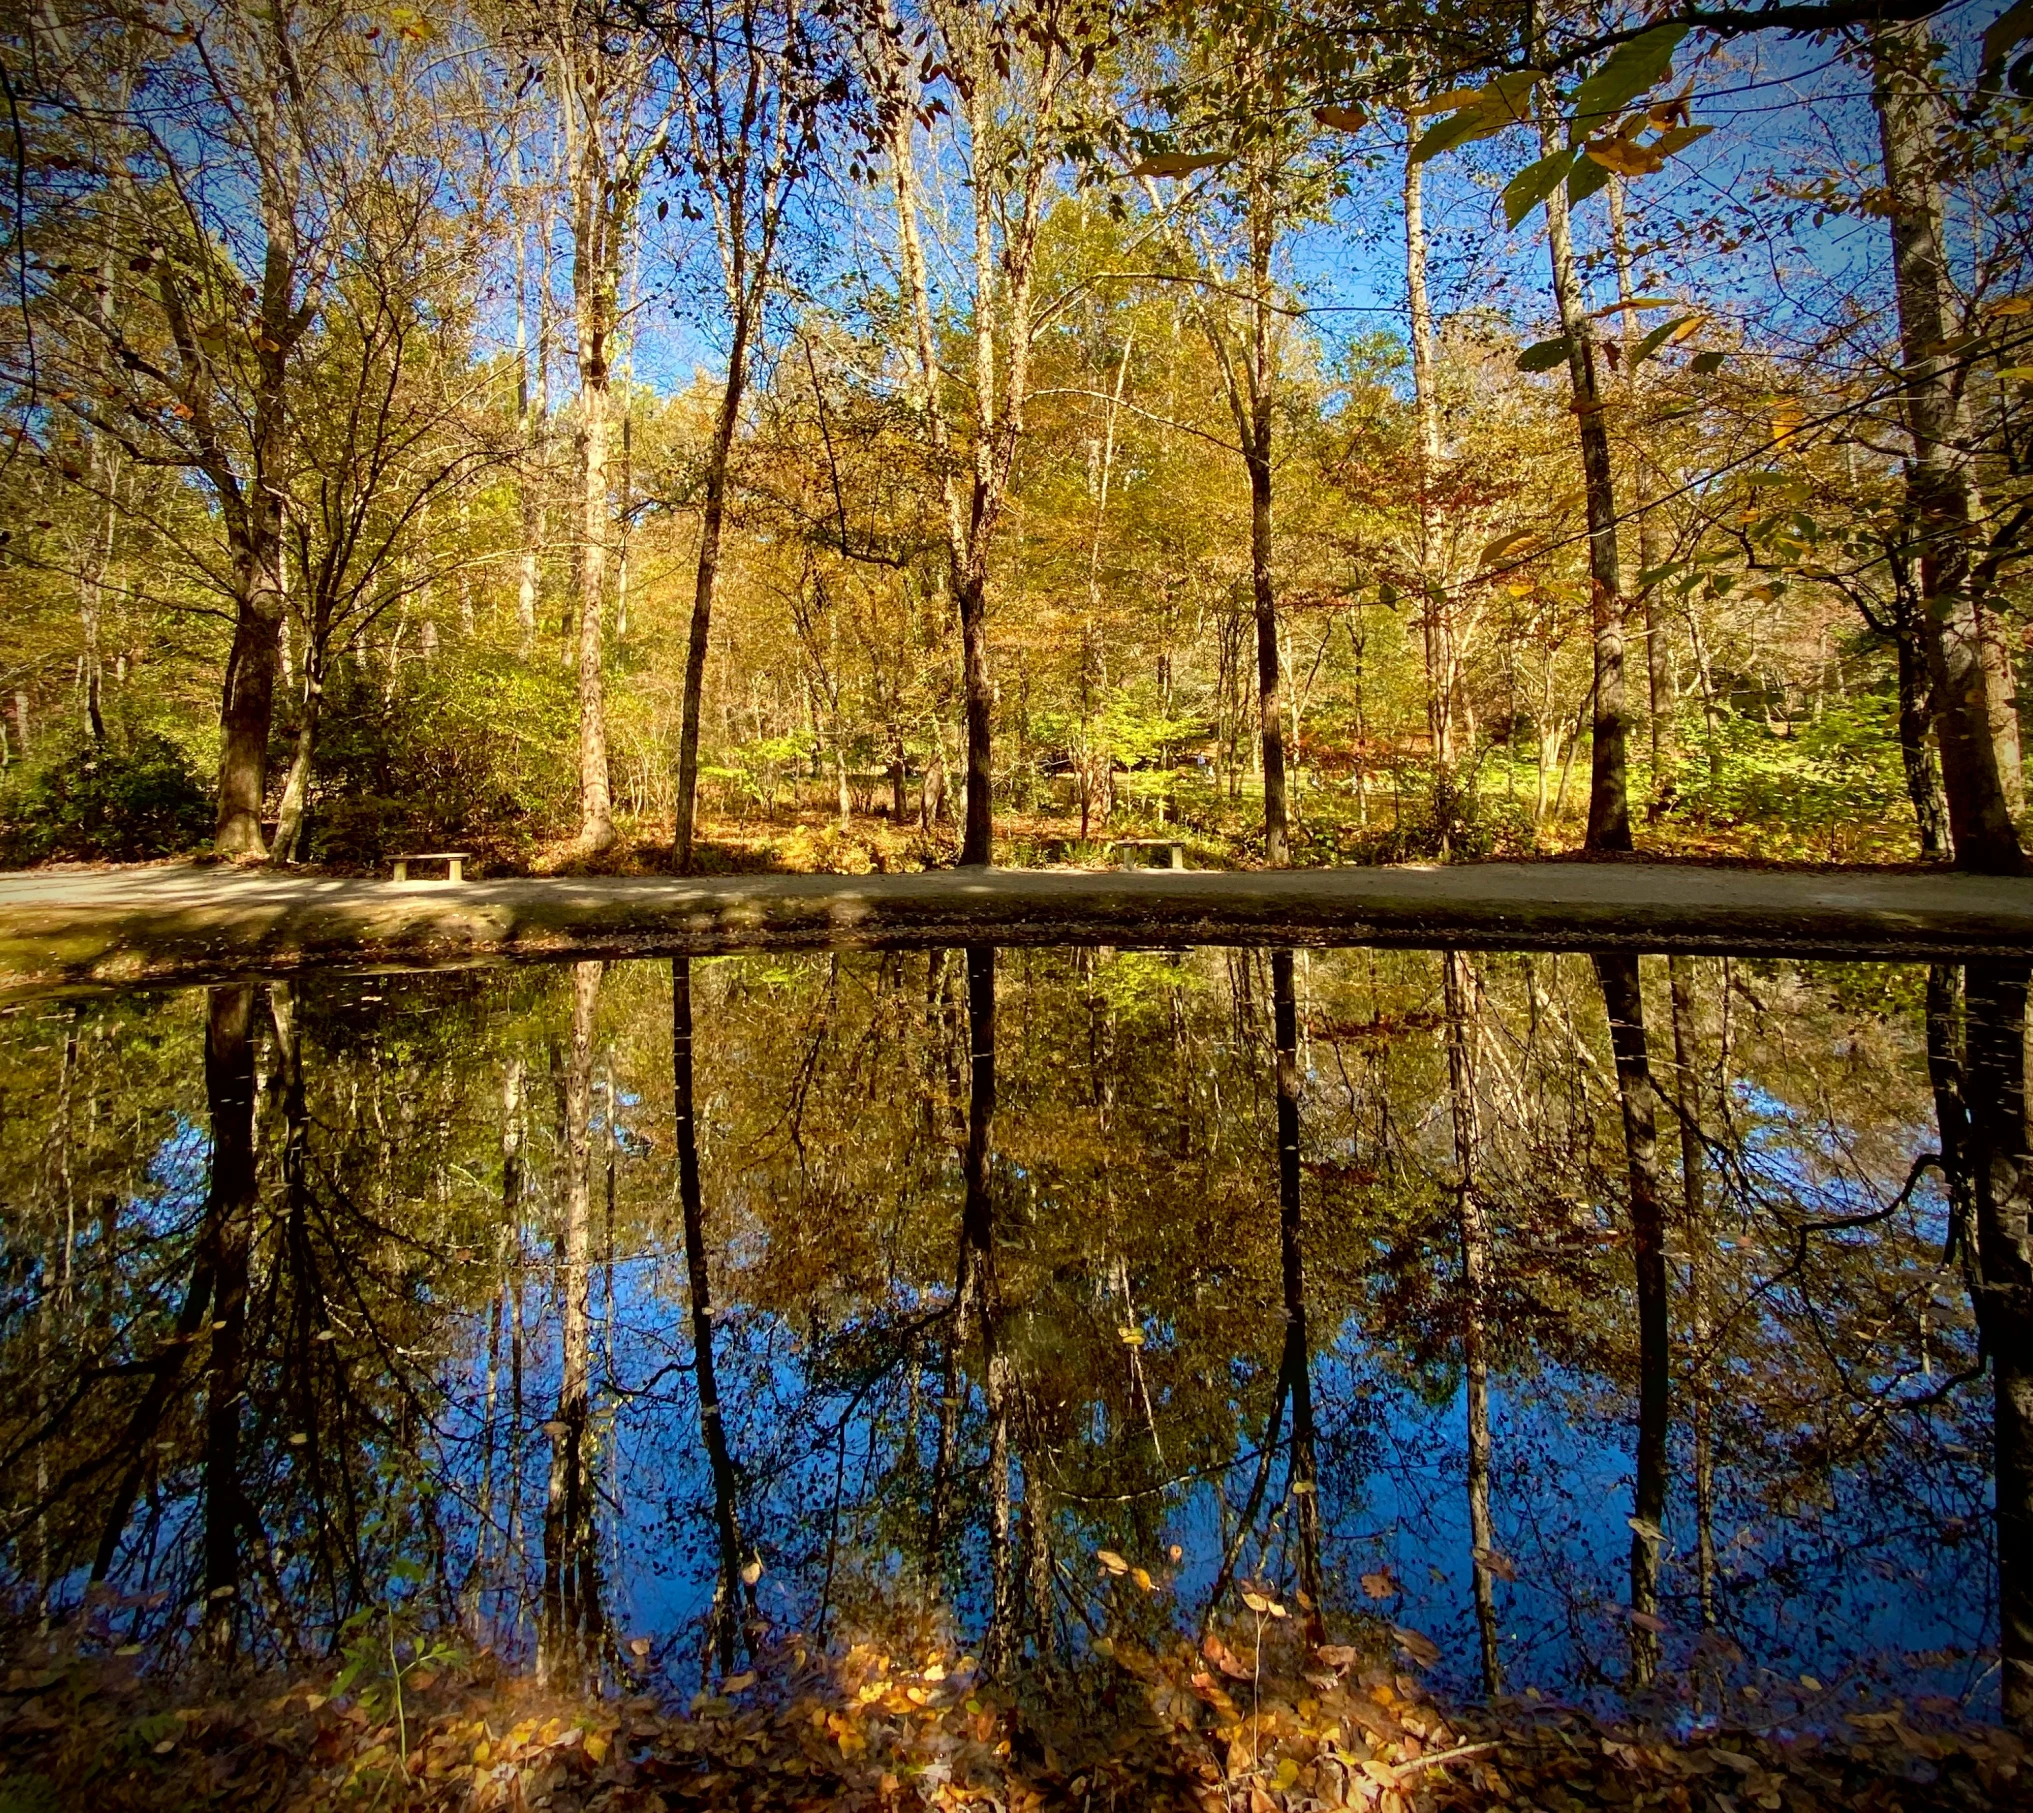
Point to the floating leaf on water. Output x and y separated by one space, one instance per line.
1379 1585
1257 1603
1421 1648
1113 1562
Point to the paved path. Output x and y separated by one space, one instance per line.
64 929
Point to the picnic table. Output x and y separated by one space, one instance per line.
454 861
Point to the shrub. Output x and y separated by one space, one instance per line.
117 801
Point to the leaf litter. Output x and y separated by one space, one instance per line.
1225 1725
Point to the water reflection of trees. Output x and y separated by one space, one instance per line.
842 1290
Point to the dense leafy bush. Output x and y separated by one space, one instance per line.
118 801
1830 788
476 754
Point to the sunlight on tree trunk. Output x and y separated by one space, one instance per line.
1937 478
1609 809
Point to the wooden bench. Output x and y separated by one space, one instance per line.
1150 853
454 861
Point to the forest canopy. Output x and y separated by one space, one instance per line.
843 433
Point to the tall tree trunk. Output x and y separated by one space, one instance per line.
728 1592
1937 476
247 706
1609 807
289 819
572 1605
1621 997
1458 997
1658 684
1258 446
1916 710
229 1232
704 582
2001 1173
596 798
1435 616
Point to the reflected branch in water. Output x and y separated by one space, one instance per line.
1617 972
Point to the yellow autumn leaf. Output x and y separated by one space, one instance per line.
1113 1562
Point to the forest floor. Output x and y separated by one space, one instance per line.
808 840
195 922
1245 1725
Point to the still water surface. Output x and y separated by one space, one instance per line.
655 1305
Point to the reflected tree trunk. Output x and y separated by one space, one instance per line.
229 1231
1680 980
1458 989
1618 975
507 1268
572 1608
937 994
979 1301
2001 1176
1304 1473
727 1620
1945 1061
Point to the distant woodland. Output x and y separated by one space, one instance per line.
849 433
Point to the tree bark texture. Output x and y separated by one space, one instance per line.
711 524
1436 618
1609 809
1937 475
